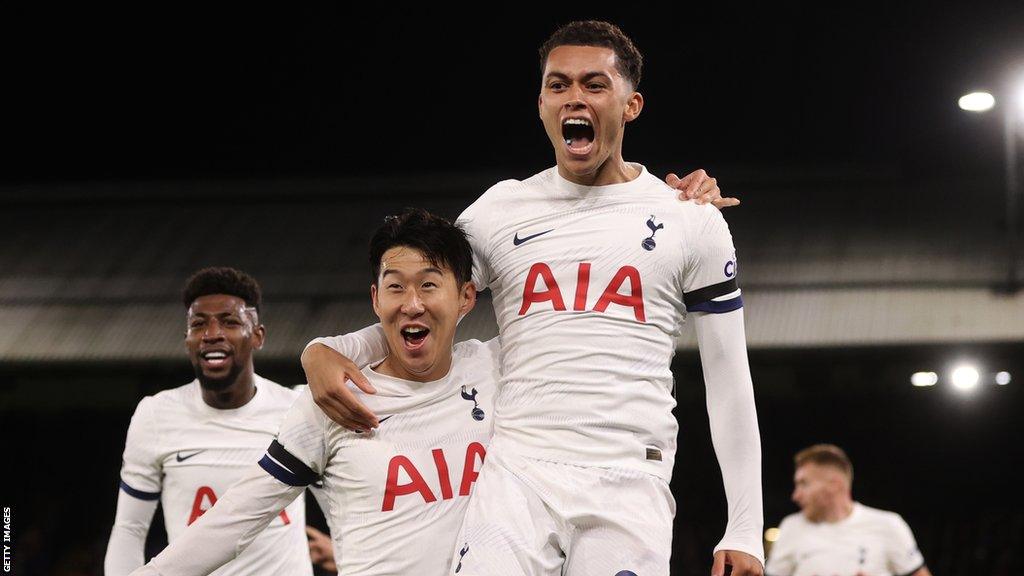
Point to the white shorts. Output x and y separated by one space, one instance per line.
530 517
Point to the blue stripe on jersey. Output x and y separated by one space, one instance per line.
714 307
139 493
281 473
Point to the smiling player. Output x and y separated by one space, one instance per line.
187 445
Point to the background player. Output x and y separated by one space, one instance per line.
187 445
586 262
834 535
398 494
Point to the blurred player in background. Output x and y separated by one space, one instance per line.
593 266
832 534
187 445
398 493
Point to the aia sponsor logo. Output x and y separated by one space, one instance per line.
395 488
541 287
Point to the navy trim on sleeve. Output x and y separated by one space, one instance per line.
139 493
709 293
284 466
714 307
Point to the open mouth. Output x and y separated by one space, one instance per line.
578 135
214 358
414 336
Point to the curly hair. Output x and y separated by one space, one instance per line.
628 59
222 280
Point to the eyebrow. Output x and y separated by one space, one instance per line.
585 77
430 270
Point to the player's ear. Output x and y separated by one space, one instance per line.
467 298
373 298
634 105
259 336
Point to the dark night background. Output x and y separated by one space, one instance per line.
142 144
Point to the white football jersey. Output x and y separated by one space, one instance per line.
590 286
397 494
869 541
187 453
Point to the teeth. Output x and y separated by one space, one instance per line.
415 330
577 121
215 355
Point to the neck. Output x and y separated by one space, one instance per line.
613 170
392 367
238 394
840 510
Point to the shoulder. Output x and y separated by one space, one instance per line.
278 391
495 195
791 524
164 398
882 517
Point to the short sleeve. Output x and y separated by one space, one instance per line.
782 559
298 456
901 552
473 222
709 278
141 467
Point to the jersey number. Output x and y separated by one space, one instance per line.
206 493
417 484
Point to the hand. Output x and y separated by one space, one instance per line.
326 372
742 564
700 188
320 550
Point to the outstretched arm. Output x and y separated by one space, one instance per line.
226 529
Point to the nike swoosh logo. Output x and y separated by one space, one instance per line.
181 458
516 240
379 420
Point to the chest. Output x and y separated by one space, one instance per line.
841 553
416 460
618 258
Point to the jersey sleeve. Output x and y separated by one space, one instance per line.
363 347
141 468
298 456
709 277
782 558
901 551
473 221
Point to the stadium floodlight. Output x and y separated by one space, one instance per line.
965 377
1003 378
771 535
977 102
924 378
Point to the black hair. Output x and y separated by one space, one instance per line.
442 243
628 59
222 280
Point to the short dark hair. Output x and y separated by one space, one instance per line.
825 455
442 243
628 59
222 280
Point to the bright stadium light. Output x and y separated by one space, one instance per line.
965 377
977 102
924 379
771 535
1003 378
